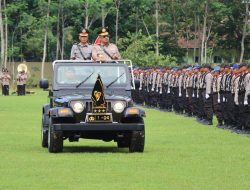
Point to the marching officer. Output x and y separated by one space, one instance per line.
105 51
83 49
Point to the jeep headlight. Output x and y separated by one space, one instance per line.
118 107
77 106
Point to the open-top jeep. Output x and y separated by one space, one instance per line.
93 101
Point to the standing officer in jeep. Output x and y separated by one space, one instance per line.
105 51
82 50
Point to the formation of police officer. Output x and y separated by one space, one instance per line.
5 81
199 91
102 51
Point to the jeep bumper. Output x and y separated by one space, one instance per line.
99 127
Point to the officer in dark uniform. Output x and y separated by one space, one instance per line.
82 50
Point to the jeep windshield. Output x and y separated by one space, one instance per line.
74 74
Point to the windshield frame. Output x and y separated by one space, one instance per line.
58 86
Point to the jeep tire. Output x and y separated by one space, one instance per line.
123 143
137 141
44 137
44 134
55 140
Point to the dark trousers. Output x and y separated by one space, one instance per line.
190 107
176 100
146 97
247 113
5 90
195 101
223 105
217 108
242 109
208 108
20 90
231 109
201 97
169 100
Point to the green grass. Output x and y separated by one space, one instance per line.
179 154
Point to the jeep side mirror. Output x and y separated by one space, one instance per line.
44 83
137 83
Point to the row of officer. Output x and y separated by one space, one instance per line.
101 51
200 91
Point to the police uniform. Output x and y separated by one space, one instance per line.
5 80
105 52
246 114
235 92
80 51
21 81
216 95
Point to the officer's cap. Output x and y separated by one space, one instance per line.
197 67
84 32
235 66
216 68
207 66
103 32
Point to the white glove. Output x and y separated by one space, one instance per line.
245 103
193 95
140 88
168 91
236 103
218 100
179 94
186 95
207 96
152 89
224 99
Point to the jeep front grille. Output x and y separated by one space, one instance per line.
89 106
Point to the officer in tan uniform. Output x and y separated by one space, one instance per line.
82 50
105 51
5 80
21 82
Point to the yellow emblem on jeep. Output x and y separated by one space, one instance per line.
97 95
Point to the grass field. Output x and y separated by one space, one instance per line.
180 154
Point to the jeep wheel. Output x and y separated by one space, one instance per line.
122 143
137 141
55 140
44 135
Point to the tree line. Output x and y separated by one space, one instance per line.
146 31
